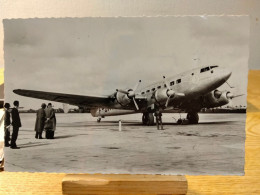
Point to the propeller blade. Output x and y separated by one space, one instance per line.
136 86
167 102
122 91
180 94
136 105
234 96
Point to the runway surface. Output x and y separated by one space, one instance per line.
81 145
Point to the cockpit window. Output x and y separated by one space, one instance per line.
213 66
171 83
204 69
178 81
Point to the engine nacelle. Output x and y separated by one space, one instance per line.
162 95
217 98
122 98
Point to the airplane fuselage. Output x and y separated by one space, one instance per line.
193 84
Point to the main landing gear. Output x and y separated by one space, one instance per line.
193 117
148 119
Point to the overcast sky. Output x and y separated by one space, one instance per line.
99 55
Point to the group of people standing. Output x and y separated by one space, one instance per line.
16 123
45 120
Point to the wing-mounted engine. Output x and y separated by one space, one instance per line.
125 97
217 98
163 96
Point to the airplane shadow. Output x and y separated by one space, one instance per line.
137 123
217 122
172 123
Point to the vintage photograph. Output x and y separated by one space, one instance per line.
135 95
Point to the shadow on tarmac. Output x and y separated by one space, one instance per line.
64 136
136 123
30 145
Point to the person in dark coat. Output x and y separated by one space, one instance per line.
7 124
40 121
158 117
50 125
16 123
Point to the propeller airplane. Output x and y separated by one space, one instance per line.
189 91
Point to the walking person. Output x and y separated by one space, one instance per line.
50 124
40 121
16 123
158 117
7 124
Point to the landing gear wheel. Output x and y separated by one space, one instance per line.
193 117
148 119
98 120
145 118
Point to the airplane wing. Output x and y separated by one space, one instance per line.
77 100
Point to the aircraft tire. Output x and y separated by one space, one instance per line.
150 119
193 117
145 119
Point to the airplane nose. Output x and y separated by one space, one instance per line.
227 74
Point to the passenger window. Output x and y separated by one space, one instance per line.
178 81
153 89
147 91
171 83
165 85
192 74
142 93
159 87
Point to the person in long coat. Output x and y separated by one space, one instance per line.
50 124
16 123
7 123
40 121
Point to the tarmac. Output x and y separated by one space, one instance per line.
81 145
